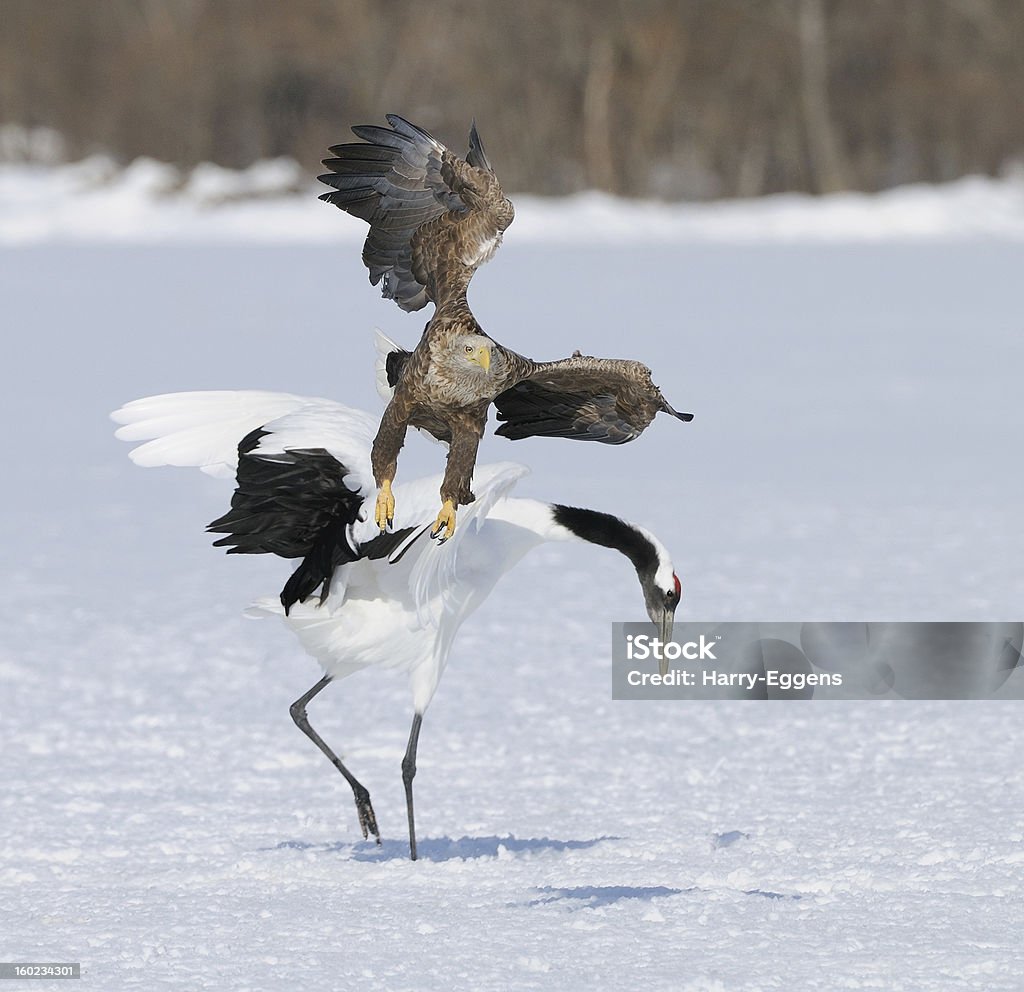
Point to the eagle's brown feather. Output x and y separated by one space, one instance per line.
591 399
434 218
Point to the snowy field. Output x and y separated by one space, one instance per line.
855 455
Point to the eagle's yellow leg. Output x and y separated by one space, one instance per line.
445 521
384 513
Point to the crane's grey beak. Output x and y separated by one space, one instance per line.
662 618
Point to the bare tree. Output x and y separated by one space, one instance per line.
822 143
674 98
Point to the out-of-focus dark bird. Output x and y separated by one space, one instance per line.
434 220
359 599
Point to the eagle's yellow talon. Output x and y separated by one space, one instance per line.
445 521
384 513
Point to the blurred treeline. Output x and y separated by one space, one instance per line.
672 98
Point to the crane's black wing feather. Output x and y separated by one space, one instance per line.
295 504
394 363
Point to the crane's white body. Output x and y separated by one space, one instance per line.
399 612
387 621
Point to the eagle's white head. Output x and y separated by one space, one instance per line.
471 351
460 369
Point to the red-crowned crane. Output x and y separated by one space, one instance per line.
359 598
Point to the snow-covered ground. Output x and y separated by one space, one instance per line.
855 455
273 202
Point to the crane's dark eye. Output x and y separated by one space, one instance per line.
673 595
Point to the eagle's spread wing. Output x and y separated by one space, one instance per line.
434 218
588 399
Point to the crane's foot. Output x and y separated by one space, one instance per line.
367 818
384 512
444 525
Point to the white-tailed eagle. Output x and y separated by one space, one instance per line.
434 219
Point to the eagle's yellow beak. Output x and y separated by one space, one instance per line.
482 357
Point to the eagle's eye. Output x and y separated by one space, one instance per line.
469 349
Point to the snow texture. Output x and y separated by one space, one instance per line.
273 202
855 455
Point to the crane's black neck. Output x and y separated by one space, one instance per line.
609 532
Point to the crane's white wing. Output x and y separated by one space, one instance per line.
341 431
434 574
202 429
198 429
383 346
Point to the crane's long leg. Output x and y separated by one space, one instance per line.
367 819
408 774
